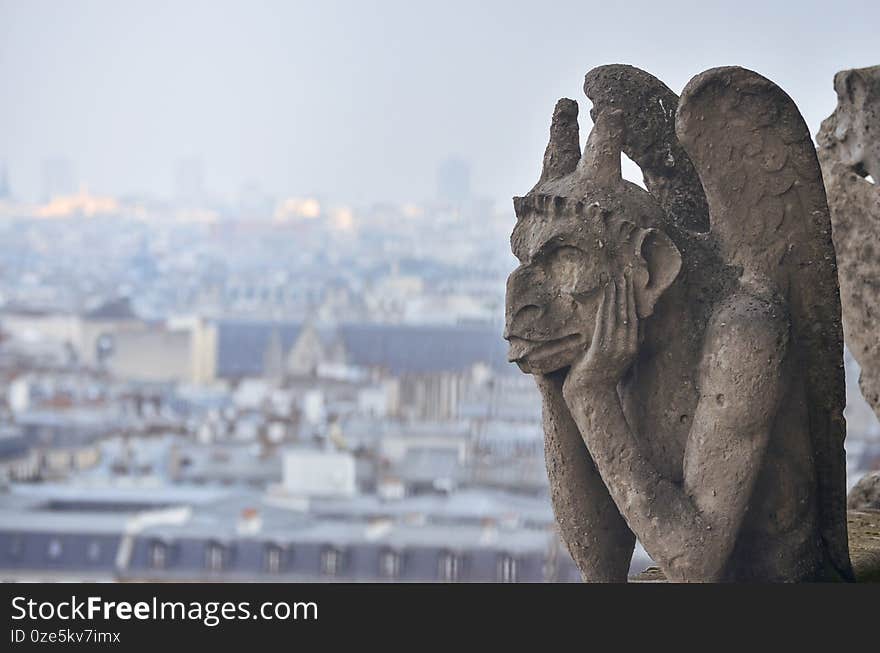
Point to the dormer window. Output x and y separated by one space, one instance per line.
16 546
215 556
331 561
158 555
55 549
93 552
507 569
449 567
274 558
390 564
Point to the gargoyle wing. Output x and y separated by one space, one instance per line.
649 139
769 215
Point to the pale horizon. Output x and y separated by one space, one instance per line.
362 103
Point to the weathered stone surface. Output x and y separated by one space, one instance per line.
864 545
692 379
865 494
849 151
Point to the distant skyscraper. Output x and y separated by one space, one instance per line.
58 178
454 181
189 182
4 182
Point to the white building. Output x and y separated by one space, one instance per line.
316 473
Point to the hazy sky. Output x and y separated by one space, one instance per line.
361 100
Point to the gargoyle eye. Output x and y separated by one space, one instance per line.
566 255
573 270
583 295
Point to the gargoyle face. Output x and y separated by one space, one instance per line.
568 251
553 296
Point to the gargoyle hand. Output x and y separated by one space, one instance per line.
615 341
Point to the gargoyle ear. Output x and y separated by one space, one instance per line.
658 264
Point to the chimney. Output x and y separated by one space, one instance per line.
249 522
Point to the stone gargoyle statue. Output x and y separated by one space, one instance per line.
849 151
686 338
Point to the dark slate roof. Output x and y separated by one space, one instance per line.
115 309
397 348
241 345
15 308
423 348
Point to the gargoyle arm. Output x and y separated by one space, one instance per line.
690 528
597 537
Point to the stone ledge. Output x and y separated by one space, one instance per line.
864 549
864 544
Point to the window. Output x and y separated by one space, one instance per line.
331 561
158 555
93 552
449 567
507 568
215 557
274 559
54 549
16 546
550 569
390 564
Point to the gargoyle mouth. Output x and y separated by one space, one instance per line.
536 350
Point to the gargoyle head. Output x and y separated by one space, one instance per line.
581 226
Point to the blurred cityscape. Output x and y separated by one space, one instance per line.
271 388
